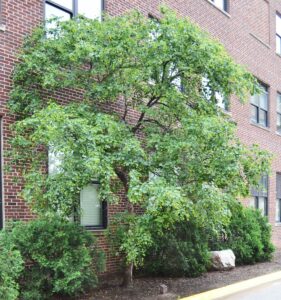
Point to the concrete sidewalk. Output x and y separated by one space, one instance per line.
267 287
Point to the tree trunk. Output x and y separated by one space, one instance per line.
128 276
123 176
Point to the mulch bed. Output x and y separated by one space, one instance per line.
148 288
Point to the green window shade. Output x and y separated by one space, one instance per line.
91 207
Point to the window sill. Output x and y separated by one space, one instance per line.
2 28
97 231
278 133
219 9
259 40
260 126
278 224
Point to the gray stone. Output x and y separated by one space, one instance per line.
163 289
223 260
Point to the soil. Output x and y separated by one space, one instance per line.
148 288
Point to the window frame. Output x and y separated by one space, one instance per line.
104 214
259 109
72 12
76 217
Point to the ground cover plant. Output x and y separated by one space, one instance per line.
164 143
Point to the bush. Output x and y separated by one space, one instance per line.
182 251
11 266
248 235
60 257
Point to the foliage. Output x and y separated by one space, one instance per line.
11 266
181 251
60 257
248 235
177 159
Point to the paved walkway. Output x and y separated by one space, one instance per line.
266 287
270 291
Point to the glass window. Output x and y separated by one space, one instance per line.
91 207
278 198
259 107
65 3
91 9
54 161
259 198
278 207
278 108
52 11
93 211
222 4
67 8
221 100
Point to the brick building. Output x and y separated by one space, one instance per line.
250 31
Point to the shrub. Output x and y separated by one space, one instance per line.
60 257
11 266
248 235
182 251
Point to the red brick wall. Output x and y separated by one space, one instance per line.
247 31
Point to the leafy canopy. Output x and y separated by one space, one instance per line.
143 122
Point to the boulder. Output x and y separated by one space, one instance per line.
223 260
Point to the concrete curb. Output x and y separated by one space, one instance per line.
236 287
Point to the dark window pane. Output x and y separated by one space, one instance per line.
264 101
263 117
262 205
277 209
279 123
279 103
254 114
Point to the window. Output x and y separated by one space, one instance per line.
259 198
278 113
66 9
93 211
259 107
278 198
278 34
222 4
221 101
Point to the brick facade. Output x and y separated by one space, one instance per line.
248 33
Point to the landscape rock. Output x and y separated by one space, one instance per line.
163 289
223 260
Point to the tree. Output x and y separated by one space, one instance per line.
146 123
